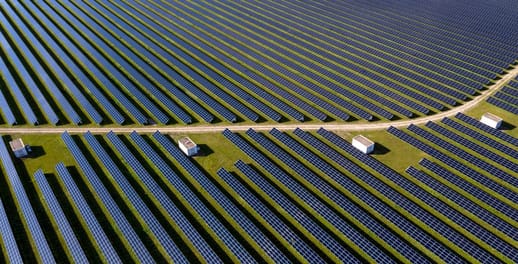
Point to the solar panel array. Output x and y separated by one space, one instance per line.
258 236
402 213
31 224
114 211
155 190
477 188
7 236
87 215
149 62
72 243
137 203
507 97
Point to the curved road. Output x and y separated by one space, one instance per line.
218 128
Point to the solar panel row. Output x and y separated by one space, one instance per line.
120 66
479 163
357 214
405 206
304 219
494 132
294 211
87 215
266 213
112 209
454 164
163 199
190 197
85 52
59 50
204 51
19 68
58 215
259 237
136 201
8 239
17 93
481 151
35 232
481 192
462 201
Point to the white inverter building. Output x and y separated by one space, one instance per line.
491 120
363 144
19 149
188 146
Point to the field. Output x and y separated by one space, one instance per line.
272 92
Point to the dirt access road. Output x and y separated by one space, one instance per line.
218 128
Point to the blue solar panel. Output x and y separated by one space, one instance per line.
271 218
481 151
475 175
71 66
8 240
482 164
138 204
59 216
481 137
300 216
155 190
85 53
18 95
479 191
18 67
35 233
263 241
503 103
467 204
6 109
79 202
197 205
301 192
494 132
403 202
113 209
129 77
341 200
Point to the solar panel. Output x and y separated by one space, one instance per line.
35 233
482 164
87 215
300 216
113 210
259 237
494 132
18 95
84 52
18 67
462 201
59 217
7 236
475 175
271 218
156 191
298 190
137 203
200 208
345 202
73 67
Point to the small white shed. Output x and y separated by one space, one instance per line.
19 149
363 144
491 120
188 146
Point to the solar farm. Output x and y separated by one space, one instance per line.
270 95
